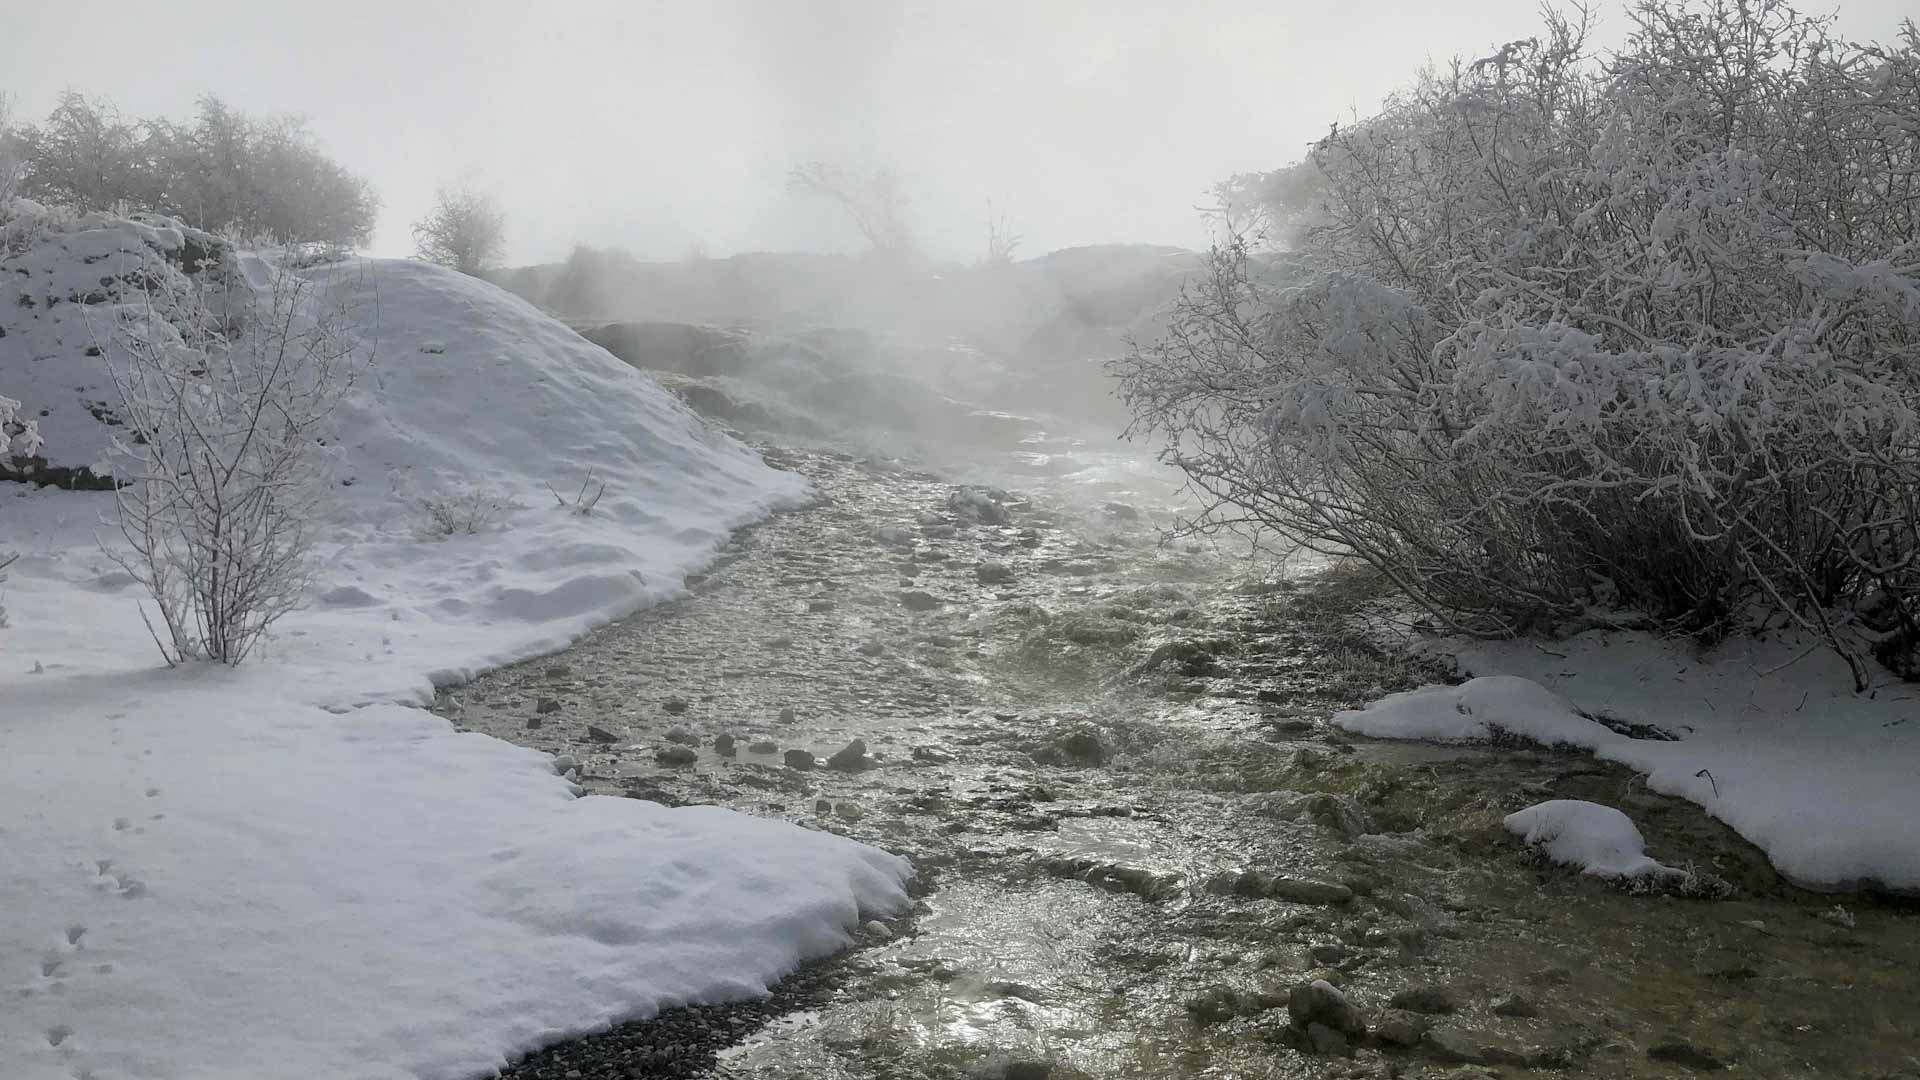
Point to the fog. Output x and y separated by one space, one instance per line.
668 129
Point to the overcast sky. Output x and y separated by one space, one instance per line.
667 128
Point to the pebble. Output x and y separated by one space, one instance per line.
678 734
674 705
786 716
676 755
723 745
1677 1051
1321 1002
534 723
870 648
1428 998
878 929
1516 1005
601 735
800 759
993 573
850 758
763 746
546 705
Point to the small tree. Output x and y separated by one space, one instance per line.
225 402
875 204
465 231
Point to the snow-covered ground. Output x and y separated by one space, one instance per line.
1768 737
280 870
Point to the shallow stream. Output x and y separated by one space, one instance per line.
1134 832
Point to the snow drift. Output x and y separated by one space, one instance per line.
236 872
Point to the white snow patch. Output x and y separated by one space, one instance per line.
1770 738
1598 840
215 872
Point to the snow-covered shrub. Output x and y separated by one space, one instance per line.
462 513
225 404
1554 336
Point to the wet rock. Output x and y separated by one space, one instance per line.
1141 881
780 643
848 811
677 734
723 745
558 671
1474 1046
876 929
764 746
1330 953
676 755
1677 1051
1320 1002
823 806
800 759
816 607
1004 1066
674 706
564 764
1401 1028
1120 511
1193 657
870 648
1213 1006
979 505
601 735
1078 746
1304 891
917 600
1326 1040
993 573
546 705
850 758
534 723
931 755
1429 998
1340 813
1516 1005
786 716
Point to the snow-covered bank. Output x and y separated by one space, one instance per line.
1767 737
213 872
202 881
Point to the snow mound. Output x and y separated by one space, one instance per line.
474 394
202 884
1770 738
214 872
1477 710
1598 840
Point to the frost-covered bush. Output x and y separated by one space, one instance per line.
1556 337
225 403
465 512
222 170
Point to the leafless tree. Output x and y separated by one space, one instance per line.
875 204
225 392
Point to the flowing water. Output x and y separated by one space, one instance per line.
1134 832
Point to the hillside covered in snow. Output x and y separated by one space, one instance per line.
281 869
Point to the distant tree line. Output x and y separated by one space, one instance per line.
224 171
